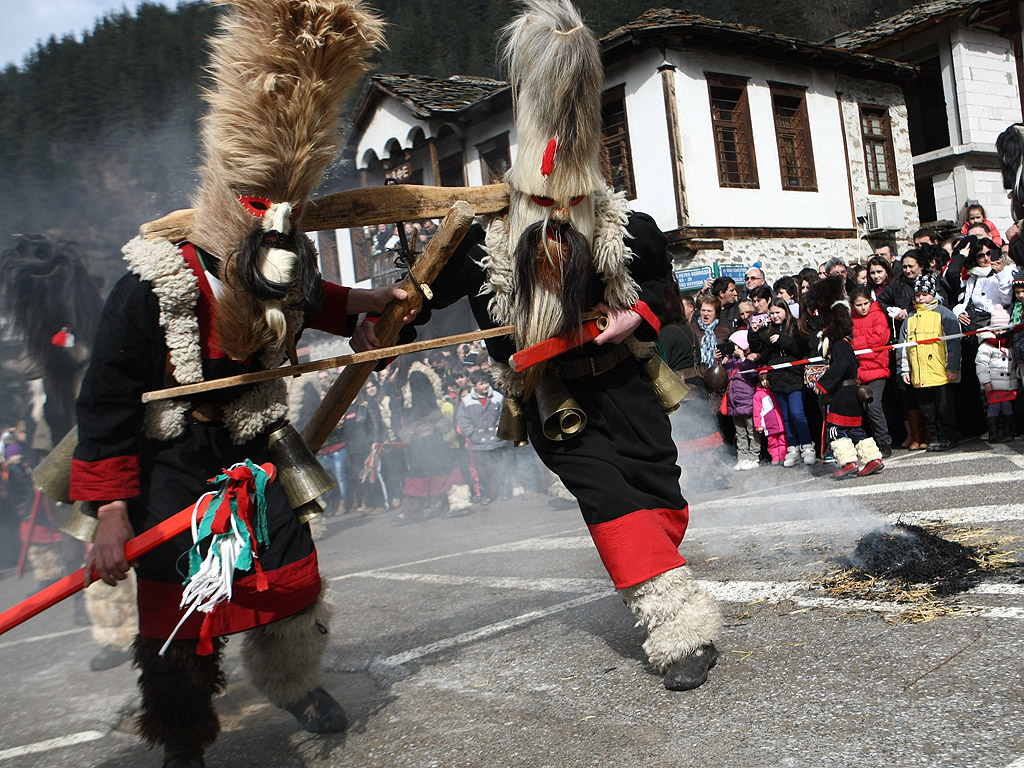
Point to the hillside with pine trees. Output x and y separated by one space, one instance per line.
99 134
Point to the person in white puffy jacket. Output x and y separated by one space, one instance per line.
997 374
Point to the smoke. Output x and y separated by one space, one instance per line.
730 510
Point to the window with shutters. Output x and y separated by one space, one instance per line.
879 156
616 158
495 158
730 120
793 136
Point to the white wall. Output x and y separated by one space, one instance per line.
986 84
769 205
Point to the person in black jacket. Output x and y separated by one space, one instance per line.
780 341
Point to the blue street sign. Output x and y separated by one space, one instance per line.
692 279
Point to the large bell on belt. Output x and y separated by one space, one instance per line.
512 424
560 415
668 387
716 378
302 477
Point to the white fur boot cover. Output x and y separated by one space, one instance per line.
867 451
283 658
458 497
113 613
679 616
844 451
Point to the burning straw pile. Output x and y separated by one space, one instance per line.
915 566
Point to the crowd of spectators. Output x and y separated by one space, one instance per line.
923 396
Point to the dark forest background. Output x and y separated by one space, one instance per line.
98 134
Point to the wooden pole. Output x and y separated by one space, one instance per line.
345 389
322 365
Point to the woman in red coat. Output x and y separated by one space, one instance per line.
870 331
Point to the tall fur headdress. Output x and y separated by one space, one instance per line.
554 68
1010 147
281 70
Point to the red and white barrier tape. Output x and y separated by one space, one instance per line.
887 347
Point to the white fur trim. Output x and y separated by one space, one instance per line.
283 658
458 497
113 613
678 615
867 450
161 263
844 451
165 419
254 411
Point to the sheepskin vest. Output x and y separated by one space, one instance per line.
162 264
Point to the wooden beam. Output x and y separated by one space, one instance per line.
398 202
429 264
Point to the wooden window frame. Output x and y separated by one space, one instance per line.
793 138
488 147
882 139
733 138
616 154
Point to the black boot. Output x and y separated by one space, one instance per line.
995 430
691 671
318 712
1008 428
178 757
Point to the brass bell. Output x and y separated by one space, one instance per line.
79 525
561 416
302 477
670 389
512 424
308 511
53 473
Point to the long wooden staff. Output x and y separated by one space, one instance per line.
326 363
345 389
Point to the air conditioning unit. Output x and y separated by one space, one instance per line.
885 215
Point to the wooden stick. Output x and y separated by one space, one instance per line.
398 202
323 365
346 387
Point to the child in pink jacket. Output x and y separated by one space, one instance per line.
768 420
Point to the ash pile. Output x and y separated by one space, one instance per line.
917 569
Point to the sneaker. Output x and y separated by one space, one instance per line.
792 457
845 471
873 466
829 459
745 464
807 454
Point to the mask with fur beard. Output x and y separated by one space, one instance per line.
553 271
251 312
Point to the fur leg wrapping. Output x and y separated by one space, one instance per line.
283 658
458 498
845 451
679 616
113 613
177 693
867 450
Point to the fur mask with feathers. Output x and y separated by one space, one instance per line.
554 68
47 287
1010 148
281 70
826 300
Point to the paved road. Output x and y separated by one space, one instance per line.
496 640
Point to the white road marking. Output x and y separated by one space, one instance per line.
491 629
500 582
1018 763
848 489
37 638
45 746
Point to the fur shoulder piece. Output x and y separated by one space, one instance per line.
611 255
161 263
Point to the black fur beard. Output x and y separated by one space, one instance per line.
308 283
575 270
